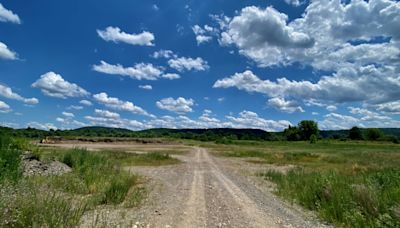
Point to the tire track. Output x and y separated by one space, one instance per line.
253 214
196 205
205 191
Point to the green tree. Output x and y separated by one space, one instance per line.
374 134
292 133
308 128
355 133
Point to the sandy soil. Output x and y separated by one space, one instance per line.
204 191
128 147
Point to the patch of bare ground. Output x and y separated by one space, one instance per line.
132 147
204 191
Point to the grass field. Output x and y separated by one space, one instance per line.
97 178
349 184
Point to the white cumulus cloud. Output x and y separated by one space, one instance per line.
284 106
249 119
7 92
8 16
140 71
203 35
179 105
68 114
294 2
53 85
117 104
106 114
6 53
167 54
85 102
4 108
186 64
115 35
366 84
171 76
146 87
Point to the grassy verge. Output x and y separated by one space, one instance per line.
29 204
366 199
97 175
349 184
97 178
145 159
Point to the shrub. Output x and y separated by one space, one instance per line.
374 134
303 131
313 139
355 133
308 128
292 133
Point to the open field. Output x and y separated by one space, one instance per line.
350 184
202 184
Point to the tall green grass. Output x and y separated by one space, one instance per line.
96 174
10 158
24 203
27 204
349 184
60 201
367 199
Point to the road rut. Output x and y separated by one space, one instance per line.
205 192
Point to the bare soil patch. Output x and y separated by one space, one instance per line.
203 191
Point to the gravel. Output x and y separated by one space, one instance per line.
32 166
204 191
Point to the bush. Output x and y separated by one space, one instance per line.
292 133
303 131
313 139
374 134
307 128
355 134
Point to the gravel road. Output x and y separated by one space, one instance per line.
204 191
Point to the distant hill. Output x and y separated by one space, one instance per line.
345 133
198 134
209 134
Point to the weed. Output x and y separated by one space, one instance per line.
350 184
28 205
361 200
10 169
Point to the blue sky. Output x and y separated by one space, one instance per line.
199 64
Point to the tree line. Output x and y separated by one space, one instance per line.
306 130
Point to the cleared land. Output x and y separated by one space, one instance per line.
194 184
203 191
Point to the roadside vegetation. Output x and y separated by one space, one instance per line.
348 183
96 179
219 135
351 178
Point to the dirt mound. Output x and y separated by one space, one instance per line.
32 166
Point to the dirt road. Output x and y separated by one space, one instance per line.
204 191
